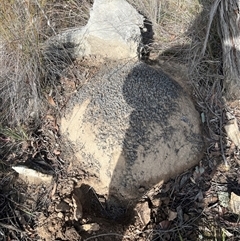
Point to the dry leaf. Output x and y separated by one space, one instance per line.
227 233
164 224
235 203
232 131
198 172
54 189
210 200
50 100
171 215
56 152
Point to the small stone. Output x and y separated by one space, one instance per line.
72 234
90 227
141 189
156 202
32 176
60 215
84 221
171 215
223 198
144 212
51 228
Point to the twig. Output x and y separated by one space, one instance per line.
212 14
221 142
7 226
107 234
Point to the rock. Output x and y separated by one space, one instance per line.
144 212
60 215
223 198
32 176
156 202
113 31
171 215
132 127
72 234
90 227
232 131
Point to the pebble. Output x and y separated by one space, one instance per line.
60 215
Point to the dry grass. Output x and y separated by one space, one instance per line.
24 26
187 34
169 19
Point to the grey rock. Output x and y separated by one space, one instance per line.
32 176
132 126
113 31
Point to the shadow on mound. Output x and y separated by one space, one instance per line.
152 95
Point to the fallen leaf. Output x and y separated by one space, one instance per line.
171 215
198 172
54 189
50 100
210 200
164 224
227 233
232 131
234 203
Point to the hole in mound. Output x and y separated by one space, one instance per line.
98 206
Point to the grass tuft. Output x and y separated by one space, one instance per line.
24 27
